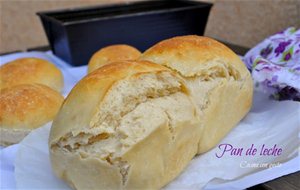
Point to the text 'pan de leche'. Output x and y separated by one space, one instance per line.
26 107
127 125
112 53
31 70
218 80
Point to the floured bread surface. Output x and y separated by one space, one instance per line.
140 129
29 71
218 80
26 107
112 53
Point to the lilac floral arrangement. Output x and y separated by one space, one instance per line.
275 65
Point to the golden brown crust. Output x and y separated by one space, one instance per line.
30 70
191 54
112 53
28 106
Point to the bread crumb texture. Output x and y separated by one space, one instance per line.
131 113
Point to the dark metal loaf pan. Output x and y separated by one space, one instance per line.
75 34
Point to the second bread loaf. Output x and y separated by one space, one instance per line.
219 81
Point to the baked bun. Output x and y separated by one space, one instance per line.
26 107
127 125
31 70
112 53
218 80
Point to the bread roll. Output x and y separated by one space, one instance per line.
219 81
31 70
127 125
26 107
111 54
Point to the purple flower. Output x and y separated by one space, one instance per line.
267 83
281 47
287 56
266 51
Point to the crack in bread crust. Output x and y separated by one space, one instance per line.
102 139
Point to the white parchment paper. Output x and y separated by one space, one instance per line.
269 123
